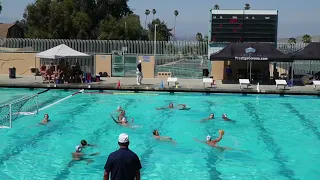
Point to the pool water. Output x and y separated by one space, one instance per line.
280 135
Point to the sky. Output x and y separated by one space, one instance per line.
296 17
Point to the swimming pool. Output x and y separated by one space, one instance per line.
281 135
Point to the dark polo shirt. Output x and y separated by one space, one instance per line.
123 164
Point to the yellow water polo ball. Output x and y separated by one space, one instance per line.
221 132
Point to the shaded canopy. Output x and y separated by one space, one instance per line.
250 52
61 51
310 52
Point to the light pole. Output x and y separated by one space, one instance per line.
155 40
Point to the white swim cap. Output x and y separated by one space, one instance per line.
78 148
124 119
208 138
119 107
224 115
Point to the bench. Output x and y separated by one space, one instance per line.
172 79
207 80
245 82
315 84
281 82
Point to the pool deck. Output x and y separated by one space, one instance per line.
153 84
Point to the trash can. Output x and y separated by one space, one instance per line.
12 73
97 77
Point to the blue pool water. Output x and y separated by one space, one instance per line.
281 135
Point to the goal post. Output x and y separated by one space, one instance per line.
23 106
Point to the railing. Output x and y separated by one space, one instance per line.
107 46
166 51
133 47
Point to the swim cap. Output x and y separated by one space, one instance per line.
208 138
224 115
119 107
124 119
78 149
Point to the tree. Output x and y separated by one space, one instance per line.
153 13
199 37
81 19
176 13
147 12
247 6
306 38
0 7
163 33
216 6
292 40
205 39
113 29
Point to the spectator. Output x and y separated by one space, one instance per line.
139 73
123 164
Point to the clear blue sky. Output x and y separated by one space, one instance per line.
296 17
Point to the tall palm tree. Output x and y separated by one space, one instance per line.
306 38
199 37
247 6
153 13
147 12
216 6
0 7
176 13
292 40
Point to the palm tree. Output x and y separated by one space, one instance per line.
216 6
247 6
199 37
147 12
176 13
0 7
306 38
205 39
292 40
153 13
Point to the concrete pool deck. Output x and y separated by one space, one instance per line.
153 84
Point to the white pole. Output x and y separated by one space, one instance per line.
250 70
155 40
10 114
292 74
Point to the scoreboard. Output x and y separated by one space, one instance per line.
244 25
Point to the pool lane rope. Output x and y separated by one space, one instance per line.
35 112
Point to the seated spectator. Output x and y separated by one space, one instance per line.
43 69
52 67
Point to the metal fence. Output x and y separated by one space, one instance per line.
107 46
182 58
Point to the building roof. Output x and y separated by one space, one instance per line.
250 52
4 30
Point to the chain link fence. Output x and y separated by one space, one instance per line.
185 59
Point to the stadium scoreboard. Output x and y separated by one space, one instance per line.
244 25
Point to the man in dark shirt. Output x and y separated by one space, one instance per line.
123 164
139 73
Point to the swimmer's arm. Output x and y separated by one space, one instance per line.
165 138
94 154
161 108
182 105
200 140
218 139
115 120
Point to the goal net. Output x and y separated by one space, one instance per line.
23 106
